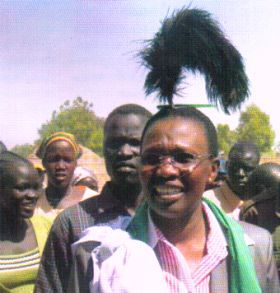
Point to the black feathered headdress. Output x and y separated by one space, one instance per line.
191 40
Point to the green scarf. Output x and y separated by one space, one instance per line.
243 278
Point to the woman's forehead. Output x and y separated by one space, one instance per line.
173 132
13 171
175 125
59 145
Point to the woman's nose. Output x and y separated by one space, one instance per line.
166 168
32 193
60 164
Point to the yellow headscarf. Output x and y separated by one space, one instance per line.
58 136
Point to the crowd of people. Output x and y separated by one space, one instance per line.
162 223
157 164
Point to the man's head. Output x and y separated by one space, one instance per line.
122 137
243 158
263 189
265 177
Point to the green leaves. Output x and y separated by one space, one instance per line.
78 118
254 125
226 137
23 150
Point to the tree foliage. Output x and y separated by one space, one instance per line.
77 117
226 137
254 125
23 150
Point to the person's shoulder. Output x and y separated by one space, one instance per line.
262 252
210 193
253 229
213 195
87 205
78 216
260 236
42 221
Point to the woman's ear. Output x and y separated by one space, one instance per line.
214 170
213 174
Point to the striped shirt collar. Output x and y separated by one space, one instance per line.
176 270
154 234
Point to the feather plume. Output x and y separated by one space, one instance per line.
191 40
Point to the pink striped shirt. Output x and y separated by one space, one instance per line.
175 269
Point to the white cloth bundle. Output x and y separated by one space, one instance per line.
121 264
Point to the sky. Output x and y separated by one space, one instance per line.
53 51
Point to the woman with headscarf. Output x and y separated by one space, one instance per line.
59 153
22 237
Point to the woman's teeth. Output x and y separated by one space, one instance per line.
165 190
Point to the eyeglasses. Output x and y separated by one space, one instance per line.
180 160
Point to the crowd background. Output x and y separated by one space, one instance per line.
78 117
170 172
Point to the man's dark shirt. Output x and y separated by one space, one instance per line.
56 261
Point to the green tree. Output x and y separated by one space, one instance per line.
77 117
23 150
254 125
226 137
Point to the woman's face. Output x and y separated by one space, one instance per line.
60 163
174 189
20 190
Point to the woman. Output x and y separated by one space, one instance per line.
191 240
22 237
59 153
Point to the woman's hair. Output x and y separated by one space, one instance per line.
9 159
190 113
